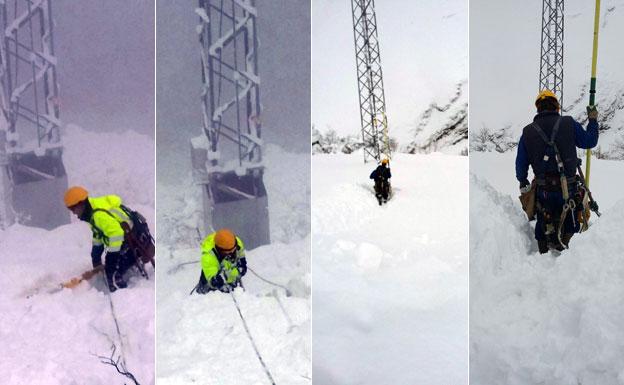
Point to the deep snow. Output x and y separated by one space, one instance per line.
201 338
537 319
390 290
53 338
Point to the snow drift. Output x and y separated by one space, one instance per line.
390 290
537 319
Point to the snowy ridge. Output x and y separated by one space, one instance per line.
440 128
201 337
443 128
535 319
390 283
55 338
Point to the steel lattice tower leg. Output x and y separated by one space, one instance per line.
370 81
32 170
551 58
227 159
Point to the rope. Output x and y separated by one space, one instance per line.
253 343
110 301
291 325
288 292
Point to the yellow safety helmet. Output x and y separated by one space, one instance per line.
545 94
385 161
75 195
225 240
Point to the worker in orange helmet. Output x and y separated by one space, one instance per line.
223 262
106 216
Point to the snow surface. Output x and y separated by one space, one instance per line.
201 338
54 338
536 319
390 283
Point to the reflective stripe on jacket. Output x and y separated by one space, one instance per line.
106 222
210 260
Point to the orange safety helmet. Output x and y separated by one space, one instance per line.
545 94
75 195
225 240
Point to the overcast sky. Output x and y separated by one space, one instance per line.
424 53
105 53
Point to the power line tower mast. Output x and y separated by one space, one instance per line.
551 56
227 158
32 174
370 81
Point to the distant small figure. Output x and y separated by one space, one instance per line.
111 223
223 262
557 196
381 175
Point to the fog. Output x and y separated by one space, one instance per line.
105 52
284 69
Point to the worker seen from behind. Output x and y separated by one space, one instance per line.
548 145
381 175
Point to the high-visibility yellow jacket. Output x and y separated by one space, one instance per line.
210 260
106 220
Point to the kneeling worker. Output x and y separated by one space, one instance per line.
223 262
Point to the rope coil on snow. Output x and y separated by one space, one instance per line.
253 342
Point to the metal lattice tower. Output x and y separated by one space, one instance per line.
31 164
551 57
370 81
227 159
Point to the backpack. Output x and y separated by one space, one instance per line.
139 238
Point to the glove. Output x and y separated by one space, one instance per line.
525 187
96 255
217 281
202 289
241 265
592 112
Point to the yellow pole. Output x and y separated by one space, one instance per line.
592 86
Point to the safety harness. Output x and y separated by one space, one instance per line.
569 205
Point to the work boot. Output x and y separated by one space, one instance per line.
542 245
565 239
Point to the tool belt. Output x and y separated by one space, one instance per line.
552 182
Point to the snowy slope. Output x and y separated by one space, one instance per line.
202 338
54 338
390 290
504 81
535 319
